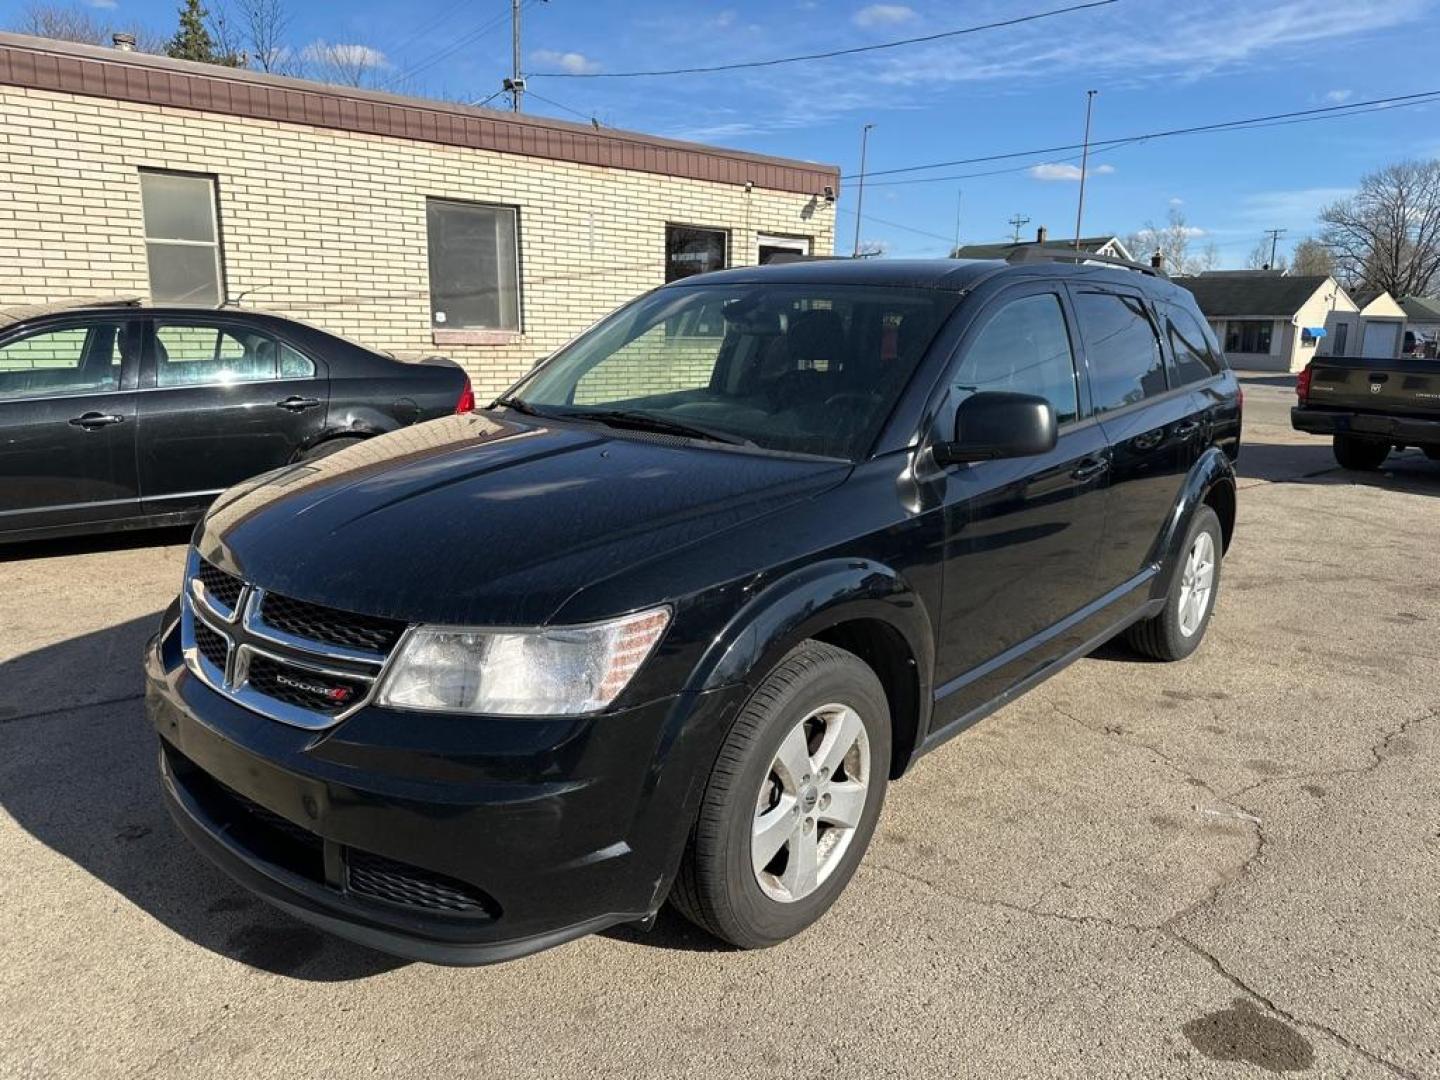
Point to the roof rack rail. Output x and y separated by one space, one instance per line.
1034 254
782 257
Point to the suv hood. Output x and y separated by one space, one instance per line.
476 520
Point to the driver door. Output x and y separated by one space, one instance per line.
1021 534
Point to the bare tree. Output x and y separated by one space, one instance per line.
75 23
348 65
1311 258
1172 241
1259 258
1387 236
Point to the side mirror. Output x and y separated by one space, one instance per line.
998 424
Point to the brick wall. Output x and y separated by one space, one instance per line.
329 226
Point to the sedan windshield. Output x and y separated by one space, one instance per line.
811 369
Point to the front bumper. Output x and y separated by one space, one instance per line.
1409 430
454 840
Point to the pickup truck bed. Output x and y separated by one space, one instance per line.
1370 406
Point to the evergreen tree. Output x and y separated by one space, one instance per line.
192 41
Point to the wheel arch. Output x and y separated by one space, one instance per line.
1211 482
855 604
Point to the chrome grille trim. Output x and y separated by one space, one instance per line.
308 658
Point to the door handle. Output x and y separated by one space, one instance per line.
1089 469
298 404
92 420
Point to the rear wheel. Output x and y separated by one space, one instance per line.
1177 631
792 801
1363 455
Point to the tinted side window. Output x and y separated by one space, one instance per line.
1191 345
1025 349
73 360
1126 364
190 355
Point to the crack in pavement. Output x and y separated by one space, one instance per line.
77 707
1378 753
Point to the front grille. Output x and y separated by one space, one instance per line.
220 586
379 878
212 646
303 689
330 626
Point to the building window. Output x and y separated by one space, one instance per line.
182 238
690 250
474 265
1250 336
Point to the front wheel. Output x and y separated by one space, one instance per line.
1177 631
1362 455
792 801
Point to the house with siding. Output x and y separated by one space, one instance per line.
1266 320
411 225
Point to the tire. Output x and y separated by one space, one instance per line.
1177 631
329 446
1362 455
1432 452
718 887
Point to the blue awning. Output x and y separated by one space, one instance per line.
1315 331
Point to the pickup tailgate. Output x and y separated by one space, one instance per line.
1399 387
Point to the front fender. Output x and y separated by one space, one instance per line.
808 601
1213 470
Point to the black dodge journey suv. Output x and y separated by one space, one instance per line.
665 620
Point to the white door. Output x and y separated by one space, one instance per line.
1380 341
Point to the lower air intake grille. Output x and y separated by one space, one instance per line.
385 879
211 645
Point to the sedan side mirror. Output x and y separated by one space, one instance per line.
998 424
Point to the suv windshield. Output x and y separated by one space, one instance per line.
812 369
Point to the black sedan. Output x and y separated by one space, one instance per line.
119 416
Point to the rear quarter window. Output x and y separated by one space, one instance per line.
1192 345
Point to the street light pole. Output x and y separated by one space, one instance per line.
517 87
959 200
860 191
1084 166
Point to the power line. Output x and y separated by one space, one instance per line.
1001 24
896 225
1254 121
405 43
589 118
460 43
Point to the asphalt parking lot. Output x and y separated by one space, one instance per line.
1226 867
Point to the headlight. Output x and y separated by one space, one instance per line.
544 672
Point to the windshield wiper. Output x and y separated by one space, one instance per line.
643 421
519 406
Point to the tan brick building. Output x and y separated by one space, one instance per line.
409 225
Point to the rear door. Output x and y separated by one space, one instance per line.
67 424
220 402
1151 426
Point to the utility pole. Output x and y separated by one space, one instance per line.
860 192
1274 235
517 84
959 198
1084 166
1019 221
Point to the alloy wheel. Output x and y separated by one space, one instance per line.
1197 580
810 803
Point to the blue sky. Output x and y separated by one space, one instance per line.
1157 64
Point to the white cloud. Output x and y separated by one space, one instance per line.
1193 231
573 63
1338 97
349 56
883 15
1177 201
107 4
1066 172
